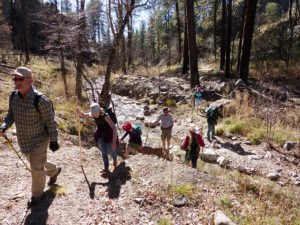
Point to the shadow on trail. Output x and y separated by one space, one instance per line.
237 148
118 177
39 213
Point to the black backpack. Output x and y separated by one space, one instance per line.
194 145
110 113
35 101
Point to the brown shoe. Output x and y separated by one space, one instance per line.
54 178
115 163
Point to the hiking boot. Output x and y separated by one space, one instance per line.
115 163
34 201
54 178
105 170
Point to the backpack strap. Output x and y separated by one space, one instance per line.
36 101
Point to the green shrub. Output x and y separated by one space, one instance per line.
227 121
226 201
257 136
164 221
184 190
219 132
171 102
237 128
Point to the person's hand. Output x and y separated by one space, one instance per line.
78 111
114 146
54 146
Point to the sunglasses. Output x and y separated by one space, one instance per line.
18 79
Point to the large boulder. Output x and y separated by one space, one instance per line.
209 155
220 218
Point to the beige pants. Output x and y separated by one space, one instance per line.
40 167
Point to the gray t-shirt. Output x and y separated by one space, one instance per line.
166 121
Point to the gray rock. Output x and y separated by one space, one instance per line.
240 83
209 155
94 149
74 139
179 202
279 170
146 107
297 182
269 155
221 219
147 113
256 157
273 176
289 145
222 161
293 174
140 118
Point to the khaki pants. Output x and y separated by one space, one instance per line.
40 167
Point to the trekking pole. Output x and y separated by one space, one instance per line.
10 144
202 147
79 137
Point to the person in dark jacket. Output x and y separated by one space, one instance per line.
105 133
135 139
212 115
192 144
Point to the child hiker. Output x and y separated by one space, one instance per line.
192 144
135 140
105 133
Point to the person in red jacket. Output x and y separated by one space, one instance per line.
191 144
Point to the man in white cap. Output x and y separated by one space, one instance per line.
191 144
33 114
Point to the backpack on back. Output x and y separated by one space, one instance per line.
111 114
194 146
35 101
137 129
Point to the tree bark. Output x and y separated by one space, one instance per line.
178 30
185 63
79 58
292 25
247 38
129 43
223 35
189 4
25 34
228 38
63 71
241 36
215 28
105 96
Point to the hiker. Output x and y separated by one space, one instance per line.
33 115
105 133
191 145
167 122
212 115
197 96
135 140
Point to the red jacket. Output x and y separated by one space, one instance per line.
187 139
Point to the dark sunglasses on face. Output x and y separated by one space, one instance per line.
18 79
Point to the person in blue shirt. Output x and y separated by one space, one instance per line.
197 96
135 139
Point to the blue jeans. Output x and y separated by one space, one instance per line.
194 159
105 149
211 129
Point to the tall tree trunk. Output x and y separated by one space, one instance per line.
247 38
185 63
215 28
241 36
105 95
129 43
292 25
228 38
63 71
25 34
189 4
178 30
223 35
79 58
122 39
